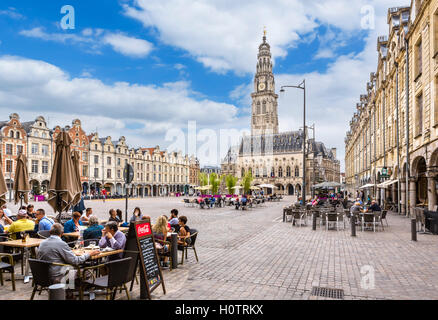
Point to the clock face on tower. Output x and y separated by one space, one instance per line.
262 86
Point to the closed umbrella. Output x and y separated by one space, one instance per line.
63 186
21 183
75 158
3 188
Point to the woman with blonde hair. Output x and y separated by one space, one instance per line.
160 233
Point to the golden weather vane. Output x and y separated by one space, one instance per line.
264 31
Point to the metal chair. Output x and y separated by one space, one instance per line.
117 277
8 266
298 216
331 218
191 245
368 218
41 277
43 234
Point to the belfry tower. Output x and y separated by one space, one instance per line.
264 118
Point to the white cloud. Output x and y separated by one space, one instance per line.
94 39
31 87
224 35
128 46
11 12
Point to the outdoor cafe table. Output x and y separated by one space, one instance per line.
30 244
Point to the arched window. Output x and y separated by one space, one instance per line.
280 172
243 172
264 107
17 135
297 171
257 173
265 172
272 172
288 171
95 147
11 134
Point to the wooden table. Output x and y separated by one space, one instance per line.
31 243
80 252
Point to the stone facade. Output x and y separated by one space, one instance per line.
102 160
394 129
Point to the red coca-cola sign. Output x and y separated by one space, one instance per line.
143 229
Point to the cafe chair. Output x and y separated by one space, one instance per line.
331 218
17 256
44 234
367 219
300 217
40 274
132 271
184 248
117 276
162 253
7 264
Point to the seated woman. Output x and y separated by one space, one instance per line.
184 231
136 216
160 230
73 224
94 231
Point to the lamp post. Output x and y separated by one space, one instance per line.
301 86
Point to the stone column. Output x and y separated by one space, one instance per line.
403 195
394 193
431 192
378 196
412 195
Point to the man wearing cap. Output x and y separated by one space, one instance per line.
22 224
374 207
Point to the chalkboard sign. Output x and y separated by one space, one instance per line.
150 271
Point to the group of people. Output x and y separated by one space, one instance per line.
55 249
358 207
26 220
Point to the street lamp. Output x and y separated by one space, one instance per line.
302 86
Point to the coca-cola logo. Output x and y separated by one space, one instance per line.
143 229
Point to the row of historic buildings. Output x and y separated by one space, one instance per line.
273 157
156 172
392 144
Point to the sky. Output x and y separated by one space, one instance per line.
145 69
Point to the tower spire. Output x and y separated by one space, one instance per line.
264 34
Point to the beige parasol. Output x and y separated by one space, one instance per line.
3 188
63 186
21 182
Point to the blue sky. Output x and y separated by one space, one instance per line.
141 68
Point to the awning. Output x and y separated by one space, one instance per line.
385 184
366 186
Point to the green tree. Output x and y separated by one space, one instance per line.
215 182
246 182
231 182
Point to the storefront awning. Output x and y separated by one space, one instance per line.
369 185
385 184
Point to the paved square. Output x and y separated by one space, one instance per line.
254 255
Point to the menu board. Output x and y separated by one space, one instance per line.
150 262
151 276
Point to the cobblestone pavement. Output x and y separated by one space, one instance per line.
254 255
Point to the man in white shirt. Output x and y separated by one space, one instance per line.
6 211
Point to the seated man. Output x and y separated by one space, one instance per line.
86 216
174 219
22 224
356 208
42 222
244 201
212 201
94 230
374 207
73 224
55 250
112 237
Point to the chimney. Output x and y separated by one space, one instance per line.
334 152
